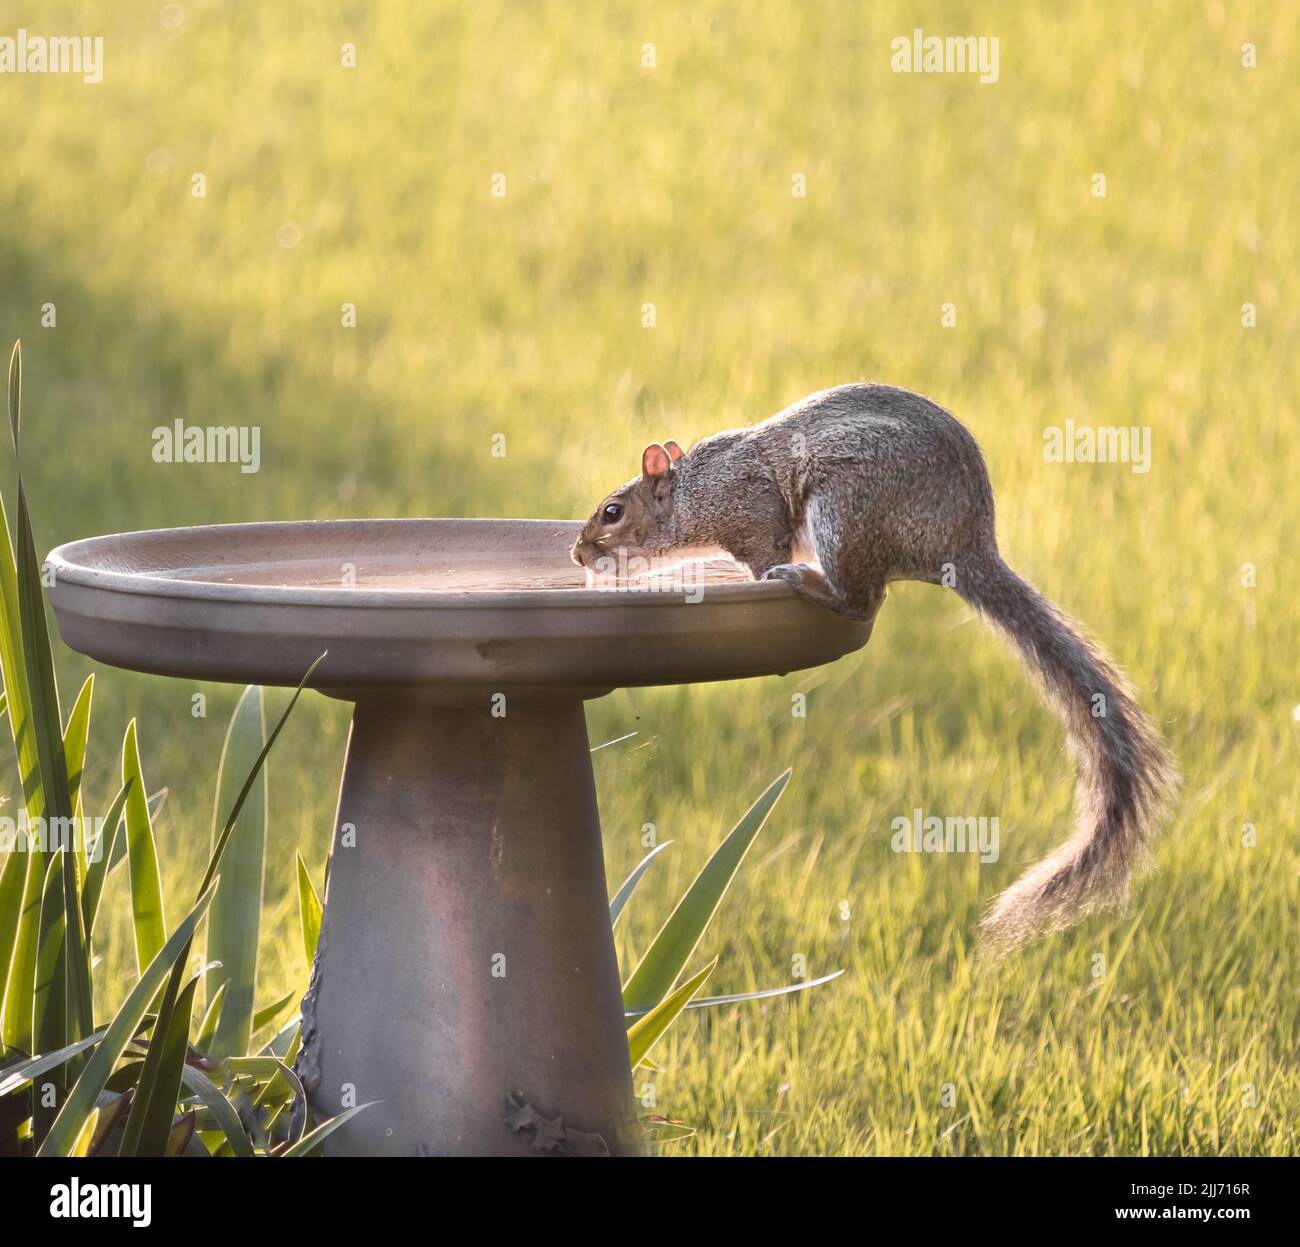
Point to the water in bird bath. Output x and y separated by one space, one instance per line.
463 576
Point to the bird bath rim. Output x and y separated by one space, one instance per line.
68 565
172 602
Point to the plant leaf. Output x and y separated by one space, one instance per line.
313 1139
16 1023
309 912
13 879
224 1112
19 998
276 1085
15 1075
285 1040
208 1026
149 1124
51 986
234 923
767 994
76 735
265 1016
155 1076
101 857
20 956
86 1091
258 1067
220 847
47 728
650 1029
667 956
179 1135
623 895
109 1120
117 852
297 1090
142 858
82 1146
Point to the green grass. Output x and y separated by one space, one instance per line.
522 316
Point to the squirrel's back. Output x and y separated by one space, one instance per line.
895 460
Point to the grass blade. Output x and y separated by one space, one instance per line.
234 923
142 858
667 956
309 912
86 1091
624 894
650 1029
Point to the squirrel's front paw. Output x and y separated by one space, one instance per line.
791 573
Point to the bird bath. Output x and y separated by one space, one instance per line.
465 954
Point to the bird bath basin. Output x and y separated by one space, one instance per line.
465 954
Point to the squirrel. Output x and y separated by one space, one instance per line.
877 484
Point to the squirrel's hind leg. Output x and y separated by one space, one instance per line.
809 583
852 578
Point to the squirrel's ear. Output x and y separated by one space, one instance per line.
655 460
675 452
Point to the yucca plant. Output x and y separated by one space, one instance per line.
117 1087
656 993
163 1078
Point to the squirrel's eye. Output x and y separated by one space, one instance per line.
612 513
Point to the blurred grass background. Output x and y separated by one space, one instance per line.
522 315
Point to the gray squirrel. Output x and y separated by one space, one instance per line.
878 484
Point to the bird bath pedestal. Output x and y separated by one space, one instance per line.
465 954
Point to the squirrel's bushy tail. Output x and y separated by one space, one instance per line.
1126 775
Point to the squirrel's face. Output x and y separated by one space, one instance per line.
636 518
